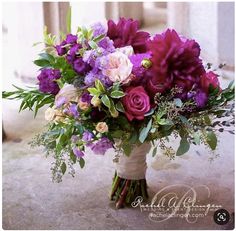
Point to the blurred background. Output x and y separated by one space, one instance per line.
26 173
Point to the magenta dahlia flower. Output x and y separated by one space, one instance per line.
125 33
175 61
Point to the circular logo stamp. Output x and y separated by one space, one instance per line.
221 217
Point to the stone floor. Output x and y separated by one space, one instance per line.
32 201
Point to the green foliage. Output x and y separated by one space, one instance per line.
49 39
145 131
211 140
183 146
31 99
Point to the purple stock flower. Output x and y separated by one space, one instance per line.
60 101
86 97
96 74
87 136
73 110
77 152
101 146
80 66
70 38
107 45
47 81
98 29
61 50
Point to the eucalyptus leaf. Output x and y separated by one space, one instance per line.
81 162
183 147
144 132
211 140
63 168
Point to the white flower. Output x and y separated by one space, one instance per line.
68 92
102 127
128 50
50 114
117 67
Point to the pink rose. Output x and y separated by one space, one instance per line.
117 67
209 78
136 103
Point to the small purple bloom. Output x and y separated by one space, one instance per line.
77 152
86 97
96 74
107 45
80 66
47 81
74 138
101 146
61 50
98 29
70 38
136 60
87 136
201 99
73 110
60 101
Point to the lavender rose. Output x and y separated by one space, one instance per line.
136 103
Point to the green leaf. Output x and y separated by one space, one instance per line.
93 45
42 63
81 162
154 151
211 140
183 147
73 157
144 132
207 120
94 91
178 102
119 107
99 38
117 94
68 21
63 168
47 56
196 137
134 137
117 134
106 101
99 85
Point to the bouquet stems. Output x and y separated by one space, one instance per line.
124 191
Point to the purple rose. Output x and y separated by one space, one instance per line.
136 103
101 146
47 81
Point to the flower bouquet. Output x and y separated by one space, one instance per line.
117 87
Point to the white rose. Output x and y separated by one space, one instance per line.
102 127
117 67
128 50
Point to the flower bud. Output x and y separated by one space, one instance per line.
146 63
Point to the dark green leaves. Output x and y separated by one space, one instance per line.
183 147
144 132
63 168
211 140
81 162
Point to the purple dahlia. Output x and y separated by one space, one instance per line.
47 81
175 61
125 33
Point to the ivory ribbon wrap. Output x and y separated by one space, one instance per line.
134 167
